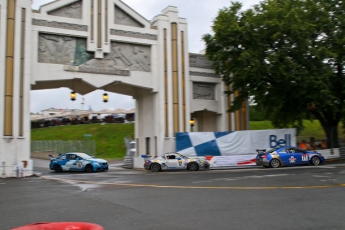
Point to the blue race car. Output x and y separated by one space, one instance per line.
77 162
287 156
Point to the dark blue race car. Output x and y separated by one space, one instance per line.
287 156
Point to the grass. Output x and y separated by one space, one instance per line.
109 138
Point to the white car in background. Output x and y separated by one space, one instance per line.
172 161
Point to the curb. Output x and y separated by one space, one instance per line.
335 160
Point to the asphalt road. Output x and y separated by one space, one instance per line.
303 197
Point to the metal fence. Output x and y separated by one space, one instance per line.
128 159
57 147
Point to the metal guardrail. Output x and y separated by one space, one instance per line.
128 160
58 146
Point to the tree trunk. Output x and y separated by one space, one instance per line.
331 132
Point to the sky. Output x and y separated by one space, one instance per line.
199 15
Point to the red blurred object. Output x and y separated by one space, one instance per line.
60 226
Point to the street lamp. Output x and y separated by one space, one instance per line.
191 122
73 95
105 97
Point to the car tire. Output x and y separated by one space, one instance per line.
155 167
193 167
315 161
57 168
89 168
274 163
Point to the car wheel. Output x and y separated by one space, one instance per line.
57 168
155 167
89 168
315 161
193 167
275 163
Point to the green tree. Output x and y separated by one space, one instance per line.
288 54
255 113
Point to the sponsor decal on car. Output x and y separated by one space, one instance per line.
292 159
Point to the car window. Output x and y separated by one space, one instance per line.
171 157
288 150
298 150
72 157
84 156
63 157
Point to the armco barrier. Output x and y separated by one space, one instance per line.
61 226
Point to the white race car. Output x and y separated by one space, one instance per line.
174 160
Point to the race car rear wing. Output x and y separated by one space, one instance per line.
146 157
261 150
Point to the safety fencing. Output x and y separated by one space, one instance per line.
41 149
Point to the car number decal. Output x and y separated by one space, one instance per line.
79 164
305 157
179 163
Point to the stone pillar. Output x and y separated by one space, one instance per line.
15 27
174 73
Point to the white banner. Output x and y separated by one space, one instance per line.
244 142
233 143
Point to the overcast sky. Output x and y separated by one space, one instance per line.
199 15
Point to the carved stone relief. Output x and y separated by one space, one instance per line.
198 60
124 57
73 10
133 34
205 91
56 49
203 74
65 50
122 18
98 70
81 53
62 25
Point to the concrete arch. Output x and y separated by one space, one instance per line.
87 45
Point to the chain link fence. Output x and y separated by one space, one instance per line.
57 147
